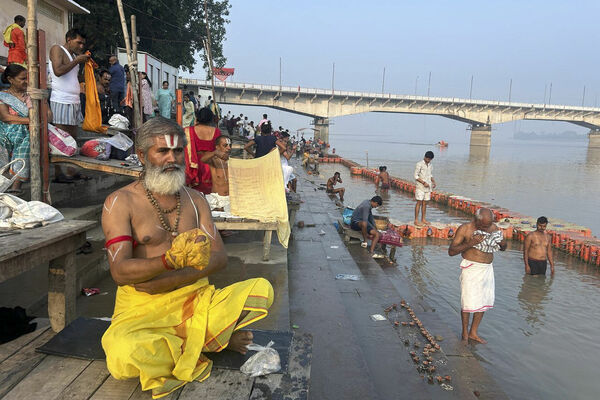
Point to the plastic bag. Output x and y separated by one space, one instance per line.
120 141
265 361
98 149
347 215
60 142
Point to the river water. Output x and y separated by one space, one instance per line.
555 179
542 332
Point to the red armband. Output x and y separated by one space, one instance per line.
165 263
118 239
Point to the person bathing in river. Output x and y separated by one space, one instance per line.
476 241
425 184
162 246
383 178
331 182
362 220
219 168
538 250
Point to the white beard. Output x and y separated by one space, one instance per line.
164 182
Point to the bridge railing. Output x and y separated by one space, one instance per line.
371 95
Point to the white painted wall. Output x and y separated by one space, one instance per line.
157 70
55 31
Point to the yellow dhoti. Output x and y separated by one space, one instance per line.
161 337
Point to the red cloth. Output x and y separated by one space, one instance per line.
17 53
197 174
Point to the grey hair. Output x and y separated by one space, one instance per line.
155 127
480 214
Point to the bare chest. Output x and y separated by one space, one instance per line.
154 232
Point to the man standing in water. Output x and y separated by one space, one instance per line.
476 241
538 250
383 178
425 183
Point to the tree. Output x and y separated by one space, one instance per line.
171 30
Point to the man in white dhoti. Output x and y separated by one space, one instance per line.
476 241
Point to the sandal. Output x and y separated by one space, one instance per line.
85 249
80 176
15 192
62 178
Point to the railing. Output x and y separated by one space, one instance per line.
370 95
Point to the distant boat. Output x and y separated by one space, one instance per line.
441 143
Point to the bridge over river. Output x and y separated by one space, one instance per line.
324 104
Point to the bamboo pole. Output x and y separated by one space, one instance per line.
132 63
34 113
137 109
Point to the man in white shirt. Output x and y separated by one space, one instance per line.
425 184
64 100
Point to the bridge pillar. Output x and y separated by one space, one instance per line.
322 124
481 135
594 137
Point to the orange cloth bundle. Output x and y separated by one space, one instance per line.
93 114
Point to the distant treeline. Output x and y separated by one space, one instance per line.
566 136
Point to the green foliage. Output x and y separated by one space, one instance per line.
171 30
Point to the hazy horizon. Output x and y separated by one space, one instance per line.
535 44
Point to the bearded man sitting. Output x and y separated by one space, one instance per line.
162 245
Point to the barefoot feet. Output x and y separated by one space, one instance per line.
477 339
239 340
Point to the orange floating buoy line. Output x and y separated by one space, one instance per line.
570 238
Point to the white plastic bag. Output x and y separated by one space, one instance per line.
120 141
265 361
60 142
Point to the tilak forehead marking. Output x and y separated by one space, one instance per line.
172 141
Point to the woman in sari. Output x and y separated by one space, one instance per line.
165 100
14 124
148 101
201 139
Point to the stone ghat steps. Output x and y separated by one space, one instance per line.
573 239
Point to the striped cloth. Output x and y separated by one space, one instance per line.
66 114
491 242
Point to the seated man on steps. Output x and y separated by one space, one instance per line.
331 182
162 245
218 161
362 220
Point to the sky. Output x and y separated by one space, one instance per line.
534 43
